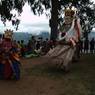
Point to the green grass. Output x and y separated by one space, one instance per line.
79 81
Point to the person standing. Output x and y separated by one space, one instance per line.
10 57
63 53
92 45
86 45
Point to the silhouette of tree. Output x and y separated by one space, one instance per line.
86 11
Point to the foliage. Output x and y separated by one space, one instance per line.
86 12
85 8
6 6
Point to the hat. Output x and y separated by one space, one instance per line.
69 15
69 12
8 34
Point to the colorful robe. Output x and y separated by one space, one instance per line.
10 67
63 53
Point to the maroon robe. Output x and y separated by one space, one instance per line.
7 45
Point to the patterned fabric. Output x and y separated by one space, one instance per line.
9 60
61 55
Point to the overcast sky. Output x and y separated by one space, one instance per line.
29 22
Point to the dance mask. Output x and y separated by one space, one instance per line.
69 15
8 34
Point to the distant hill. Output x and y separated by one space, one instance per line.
44 35
18 36
27 36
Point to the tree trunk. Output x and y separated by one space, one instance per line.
54 20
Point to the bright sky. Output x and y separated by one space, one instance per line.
29 22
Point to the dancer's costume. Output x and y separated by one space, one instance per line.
10 58
1 58
70 33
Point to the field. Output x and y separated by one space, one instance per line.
45 79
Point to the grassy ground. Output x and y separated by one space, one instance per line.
46 79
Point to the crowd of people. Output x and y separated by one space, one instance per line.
87 46
38 46
41 46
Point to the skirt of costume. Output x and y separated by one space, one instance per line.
7 70
61 55
10 68
14 60
16 69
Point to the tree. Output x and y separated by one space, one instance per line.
86 11
6 6
54 19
